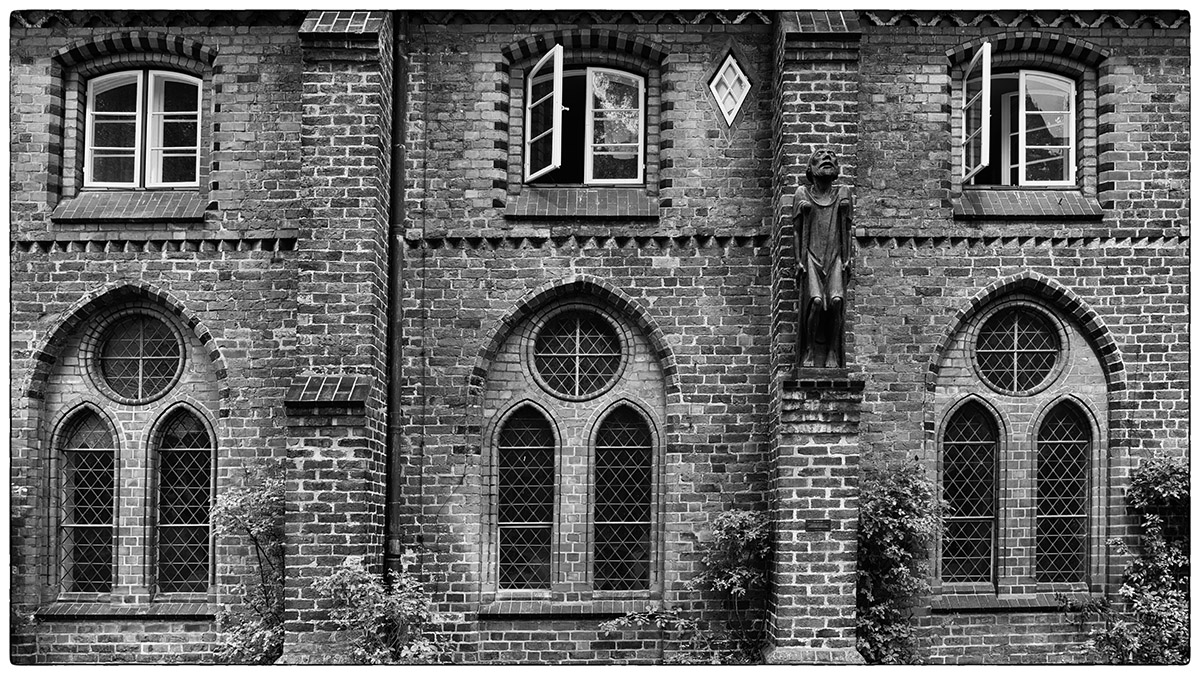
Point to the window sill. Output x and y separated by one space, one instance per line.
531 609
991 603
160 206
83 611
626 203
1005 203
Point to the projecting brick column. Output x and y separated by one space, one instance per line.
814 440
335 404
814 490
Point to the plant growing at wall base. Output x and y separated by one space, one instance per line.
385 618
252 630
1151 623
898 519
696 645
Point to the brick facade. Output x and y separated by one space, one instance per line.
337 256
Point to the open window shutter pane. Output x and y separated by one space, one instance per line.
977 92
543 115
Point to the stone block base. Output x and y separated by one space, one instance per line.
812 656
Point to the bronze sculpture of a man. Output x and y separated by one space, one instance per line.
821 218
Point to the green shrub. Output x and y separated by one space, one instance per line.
696 645
385 619
735 561
251 631
1150 625
898 518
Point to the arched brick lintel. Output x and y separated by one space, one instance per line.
133 42
111 295
574 287
584 38
1059 297
1044 43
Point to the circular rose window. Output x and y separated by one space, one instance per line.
1017 350
577 354
139 357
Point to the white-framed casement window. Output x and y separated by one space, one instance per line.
1029 115
143 130
584 125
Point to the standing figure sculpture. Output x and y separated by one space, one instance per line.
821 218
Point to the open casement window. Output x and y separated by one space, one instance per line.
977 84
1034 131
543 115
584 125
143 130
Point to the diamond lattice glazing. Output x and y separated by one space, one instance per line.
88 496
140 357
525 459
184 503
969 446
622 502
1063 451
577 353
1016 350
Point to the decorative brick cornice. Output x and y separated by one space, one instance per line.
580 241
152 241
1099 239
1014 19
186 18
598 17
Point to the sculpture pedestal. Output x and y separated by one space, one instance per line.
814 503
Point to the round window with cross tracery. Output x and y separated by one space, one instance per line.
1017 350
577 354
138 358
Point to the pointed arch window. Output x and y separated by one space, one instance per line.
621 516
525 460
1064 446
184 505
969 461
87 501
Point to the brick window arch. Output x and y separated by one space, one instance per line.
87 499
575 490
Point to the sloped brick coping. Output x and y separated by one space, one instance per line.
327 396
125 206
1026 204
625 203
1036 602
86 611
527 609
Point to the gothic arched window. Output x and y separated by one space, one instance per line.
969 454
1064 446
87 504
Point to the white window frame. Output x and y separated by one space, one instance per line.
149 114
555 58
982 60
589 143
1070 84
96 87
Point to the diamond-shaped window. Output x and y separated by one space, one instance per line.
729 87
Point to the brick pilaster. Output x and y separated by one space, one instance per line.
814 439
336 403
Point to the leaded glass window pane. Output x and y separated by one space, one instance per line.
577 354
621 519
1063 450
525 481
87 499
1016 350
140 357
969 456
184 503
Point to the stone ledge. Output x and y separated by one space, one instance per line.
812 655
991 603
533 609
